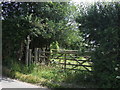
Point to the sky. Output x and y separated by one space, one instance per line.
82 1
92 1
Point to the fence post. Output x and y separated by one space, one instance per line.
30 56
39 55
36 55
44 56
27 49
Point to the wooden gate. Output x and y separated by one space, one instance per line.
67 59
70 59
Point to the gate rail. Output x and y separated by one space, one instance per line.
67 59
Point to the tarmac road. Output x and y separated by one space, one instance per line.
6 82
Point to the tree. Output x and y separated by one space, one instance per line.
101 29
45 22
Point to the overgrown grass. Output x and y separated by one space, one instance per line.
51 76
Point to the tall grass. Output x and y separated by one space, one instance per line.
50 76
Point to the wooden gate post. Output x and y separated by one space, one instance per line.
30 56
44 56
36 55
39 55
27 49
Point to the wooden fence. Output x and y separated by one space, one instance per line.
67 59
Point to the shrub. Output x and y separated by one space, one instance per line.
101 30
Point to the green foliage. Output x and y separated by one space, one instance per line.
28 78
101 30
85 79
50 76
54 45
45 22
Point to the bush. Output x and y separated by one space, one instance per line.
101 30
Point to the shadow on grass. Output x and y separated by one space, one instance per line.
50 76
81 79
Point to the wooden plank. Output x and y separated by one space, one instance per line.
36 55
42 56
86 68
72 51
63 50
67 53
30 56
57 58
27 49
44 59
45 52
79 56
39 55
72 59
60 56
75 59
68 57
77 65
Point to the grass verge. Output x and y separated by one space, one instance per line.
50 76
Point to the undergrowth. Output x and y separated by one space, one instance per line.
50 76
